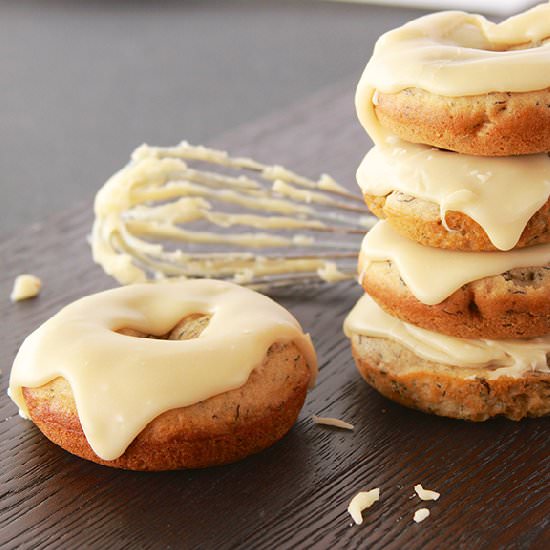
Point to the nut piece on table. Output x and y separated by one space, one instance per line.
25 286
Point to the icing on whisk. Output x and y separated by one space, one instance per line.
186 212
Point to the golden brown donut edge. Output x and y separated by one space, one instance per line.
494 124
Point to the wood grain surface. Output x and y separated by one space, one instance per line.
493 477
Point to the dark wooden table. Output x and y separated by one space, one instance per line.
493 477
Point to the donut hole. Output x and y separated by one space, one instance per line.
526 45
189 327
472 36
134 333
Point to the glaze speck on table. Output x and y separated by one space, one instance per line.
493 477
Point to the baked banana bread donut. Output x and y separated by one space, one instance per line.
459 82
421 221
461 294
460 202
423 370
185 375
514 304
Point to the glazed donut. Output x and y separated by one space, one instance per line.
462 294
459 82
165 376
421 221
459 378
460 202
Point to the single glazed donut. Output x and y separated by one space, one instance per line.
422 370
514 304
460 82
420 220
462 294
459 202
165 376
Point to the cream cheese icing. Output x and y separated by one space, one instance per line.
120 383
433 274
491 191
511 358
458 54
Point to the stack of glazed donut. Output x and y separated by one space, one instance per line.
455 319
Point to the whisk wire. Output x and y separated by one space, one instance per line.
265 227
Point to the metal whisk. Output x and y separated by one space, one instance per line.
189 212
